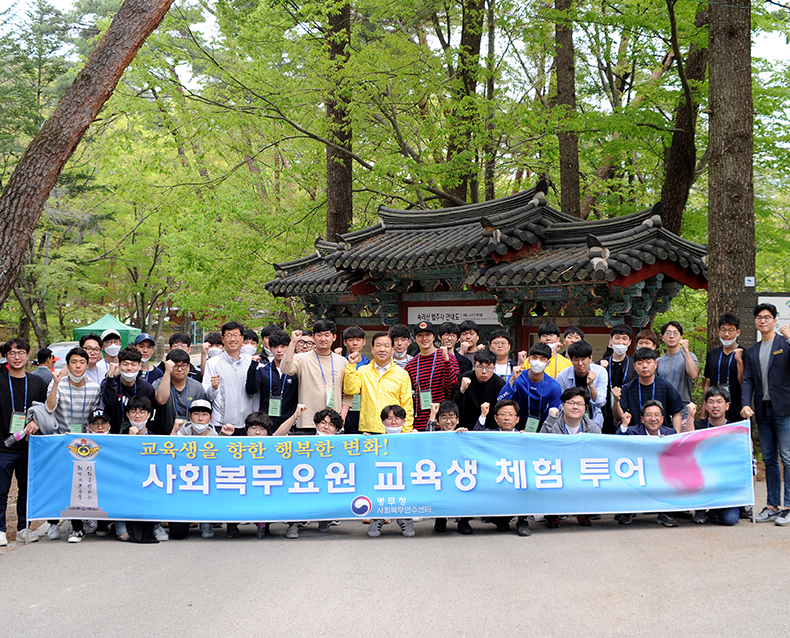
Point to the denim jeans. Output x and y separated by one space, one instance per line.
13 463
774 431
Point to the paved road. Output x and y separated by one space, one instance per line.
607 580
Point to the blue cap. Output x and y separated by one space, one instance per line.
144 336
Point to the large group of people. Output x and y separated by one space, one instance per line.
420 379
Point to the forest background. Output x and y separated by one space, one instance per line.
216 156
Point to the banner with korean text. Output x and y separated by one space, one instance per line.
233 479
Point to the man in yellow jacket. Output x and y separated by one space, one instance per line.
380 383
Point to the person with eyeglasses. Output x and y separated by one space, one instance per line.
477 391
91 343
175 392
724 365
18 390
306 343
121 384
766 377
572 419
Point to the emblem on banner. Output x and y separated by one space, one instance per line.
361 506
83 449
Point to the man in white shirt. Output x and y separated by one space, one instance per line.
224 380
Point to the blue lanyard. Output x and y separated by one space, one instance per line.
174 395
540 398
565 427
282 389
625 373
640 393
11 391
320 367
729 365
674 368
433 365
84 400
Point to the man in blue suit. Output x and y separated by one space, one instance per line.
766 379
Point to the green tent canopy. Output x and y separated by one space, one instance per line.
108 322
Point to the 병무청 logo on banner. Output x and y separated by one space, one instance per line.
83 449
361 506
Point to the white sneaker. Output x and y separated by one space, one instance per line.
538 518
53 533
89 526
26 535
3 539
76 537
160 534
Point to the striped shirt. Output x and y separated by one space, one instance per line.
74 404
445 377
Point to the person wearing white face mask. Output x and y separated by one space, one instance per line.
620 369
71 398
111 345
549 334
393 418
724 365
537 394
121 384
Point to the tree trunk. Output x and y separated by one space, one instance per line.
566 101
489 150
40 166
681 159
339 193
731 235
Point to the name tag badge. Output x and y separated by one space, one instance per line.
17 422
330 398
275 407
425 400
75 428
356 403
726 386
532 425
780 351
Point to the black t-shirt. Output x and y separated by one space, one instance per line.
635 395
721 369
36 391
620 373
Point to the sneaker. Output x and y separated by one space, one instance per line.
103 531
263 530
406 527
334 522
53 533
89 527
552 522
160 534
233 530
539 518
292 531
699 517
26 535
374 530
666 520
323 526
522 526
76 536
584 521
503 526
4 539
206 530
783 518
464 527
624 519
767 515
440 525
746 512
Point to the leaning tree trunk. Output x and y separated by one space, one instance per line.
570 195
40 166
339 176
730 177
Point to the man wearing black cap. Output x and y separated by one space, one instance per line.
145 343
433 374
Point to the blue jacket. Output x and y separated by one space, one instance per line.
778 377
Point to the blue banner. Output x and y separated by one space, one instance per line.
232 479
